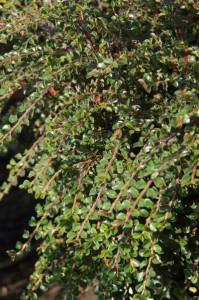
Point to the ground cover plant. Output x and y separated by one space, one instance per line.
101 100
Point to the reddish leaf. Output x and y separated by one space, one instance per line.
97 98
52 91
104 105
117 132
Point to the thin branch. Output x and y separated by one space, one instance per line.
138 199
22 117
47 162
76 195
50 181
139 167
24 162
193 174
100 5
156 208
99 193
171 204
147 273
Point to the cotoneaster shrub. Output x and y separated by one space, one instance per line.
107 122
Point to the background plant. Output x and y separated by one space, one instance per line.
106 124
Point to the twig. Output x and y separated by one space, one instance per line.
138 199
170 204
25 113
193 174
99 193
156 208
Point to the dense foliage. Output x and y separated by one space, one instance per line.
101 100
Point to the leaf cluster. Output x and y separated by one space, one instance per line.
108 135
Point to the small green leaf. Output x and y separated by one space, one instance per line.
121 216
152 227
101 65
13 119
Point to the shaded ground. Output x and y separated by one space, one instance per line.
14 278
15 212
